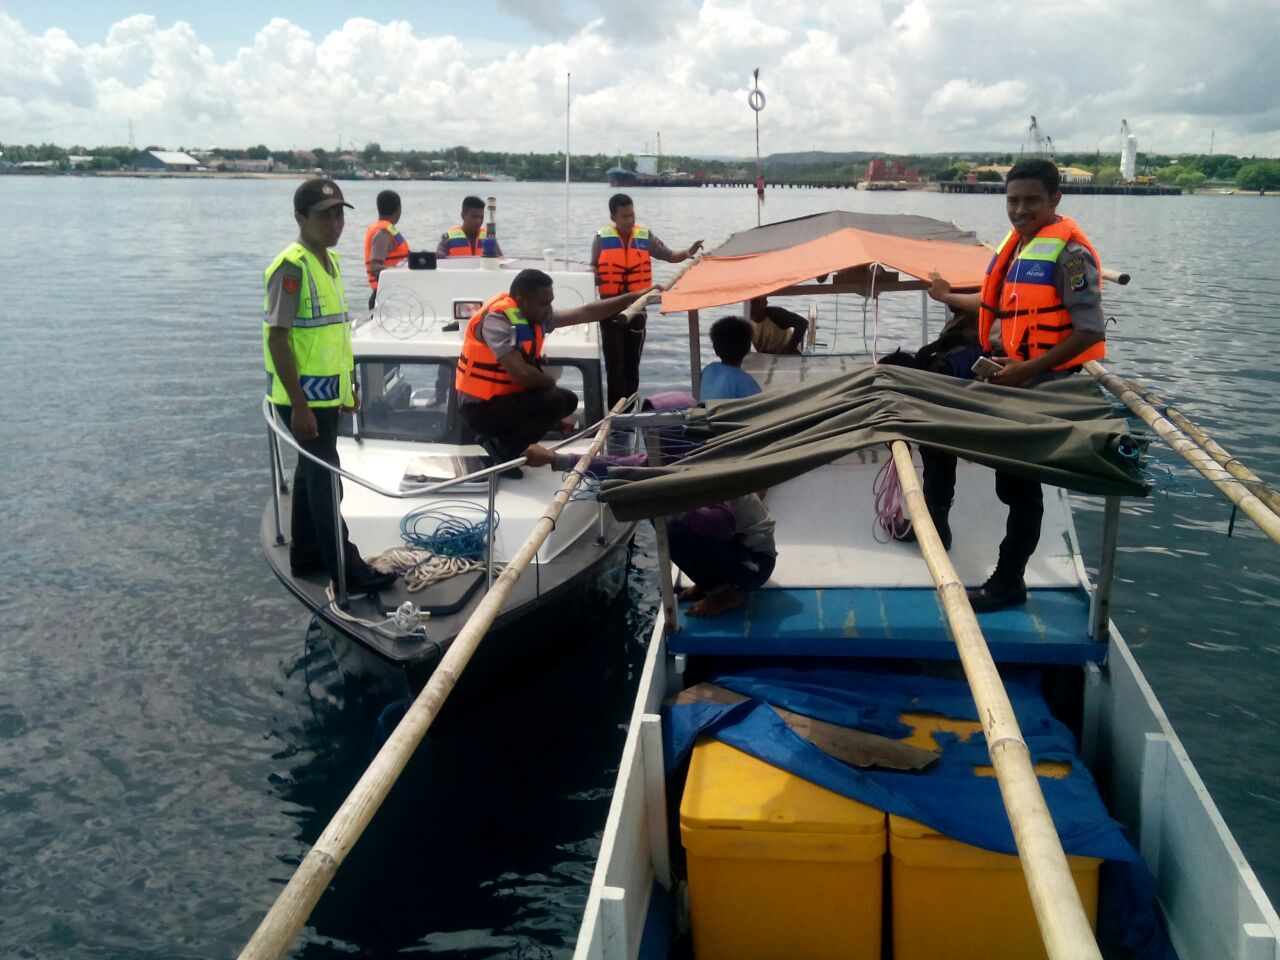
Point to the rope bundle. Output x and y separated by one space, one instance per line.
448 528
422 568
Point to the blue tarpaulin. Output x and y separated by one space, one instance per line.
947 797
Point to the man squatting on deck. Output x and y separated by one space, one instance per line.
621 256
1040 318
306 346
503 394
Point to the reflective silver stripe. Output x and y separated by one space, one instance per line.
324 321
315 298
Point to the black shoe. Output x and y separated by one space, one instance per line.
370 579
907 534
997 594
497 456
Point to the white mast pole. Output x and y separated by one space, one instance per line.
568 79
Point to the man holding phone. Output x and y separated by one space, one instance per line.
1039 319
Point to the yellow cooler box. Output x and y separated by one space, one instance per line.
778 867
952 901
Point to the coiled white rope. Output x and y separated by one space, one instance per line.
422 568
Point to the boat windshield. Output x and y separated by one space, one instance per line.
407 399
414 399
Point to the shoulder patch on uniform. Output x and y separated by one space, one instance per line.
1074 263
291 284
1076 281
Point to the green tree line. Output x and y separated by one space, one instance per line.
1185 170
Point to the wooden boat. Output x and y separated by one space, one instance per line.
407 454
733 881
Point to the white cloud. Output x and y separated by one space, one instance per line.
920 75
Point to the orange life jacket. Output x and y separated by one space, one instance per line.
1019 288
623 266
399 253
460 245
478 372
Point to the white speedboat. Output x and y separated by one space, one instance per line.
411 468
775 858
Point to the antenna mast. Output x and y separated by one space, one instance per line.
755 100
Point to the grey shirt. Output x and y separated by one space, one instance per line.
1079 286
753 524
500 337
382 245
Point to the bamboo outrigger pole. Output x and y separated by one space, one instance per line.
280 926
1213 471
1229 463
653 294
1063 924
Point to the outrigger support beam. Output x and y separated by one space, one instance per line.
1064 926
1239 492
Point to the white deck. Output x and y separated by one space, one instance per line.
826 531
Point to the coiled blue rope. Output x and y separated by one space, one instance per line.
449 528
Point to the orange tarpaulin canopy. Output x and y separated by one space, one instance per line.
720 280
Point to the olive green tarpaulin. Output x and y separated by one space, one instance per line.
1062 433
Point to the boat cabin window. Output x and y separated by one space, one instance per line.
407 399
414 399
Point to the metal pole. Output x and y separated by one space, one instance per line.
335 485
695 354
670 612
924 318
272 452
1100 616
489 530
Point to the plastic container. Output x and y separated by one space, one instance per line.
778 866
952 901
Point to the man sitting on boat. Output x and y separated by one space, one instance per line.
503 394
725 379
467 238
775 330
725 549
1040 318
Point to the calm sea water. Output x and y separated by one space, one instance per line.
170 742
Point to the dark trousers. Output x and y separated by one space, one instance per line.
1024 498
712 563
514 421
622 343
311 523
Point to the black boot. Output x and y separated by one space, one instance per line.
998 593
939 512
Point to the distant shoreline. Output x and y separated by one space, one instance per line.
929 186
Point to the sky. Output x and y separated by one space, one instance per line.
918 76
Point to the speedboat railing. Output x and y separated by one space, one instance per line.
276 433
295 902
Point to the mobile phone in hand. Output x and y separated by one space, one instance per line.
984 368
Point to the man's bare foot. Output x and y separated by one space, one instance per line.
689 593
714 604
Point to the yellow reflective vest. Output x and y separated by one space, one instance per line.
321 334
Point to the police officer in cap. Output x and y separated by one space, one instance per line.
306 341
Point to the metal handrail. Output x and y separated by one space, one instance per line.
278 433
